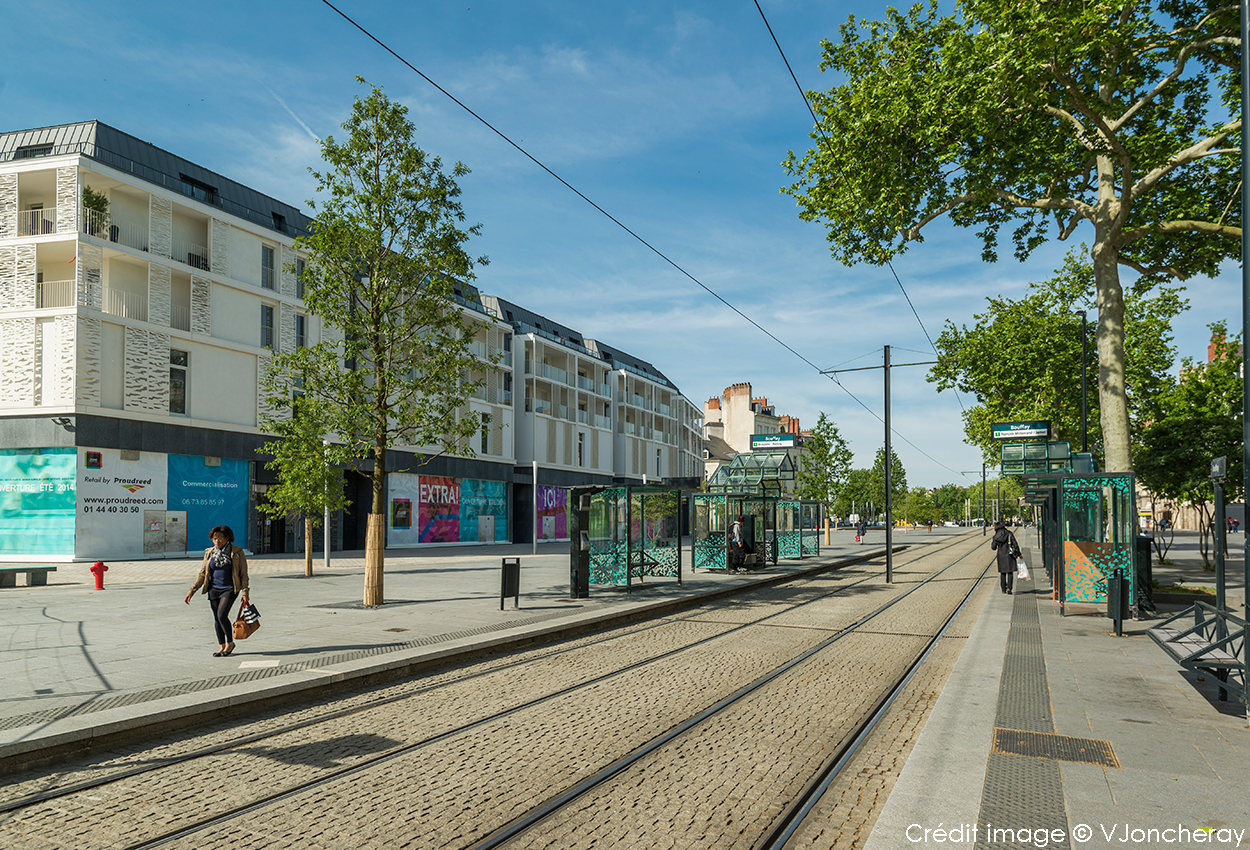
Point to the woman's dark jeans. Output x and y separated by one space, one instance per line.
221 601
1007 580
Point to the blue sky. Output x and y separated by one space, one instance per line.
674 117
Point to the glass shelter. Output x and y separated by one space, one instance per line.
711 514
634 533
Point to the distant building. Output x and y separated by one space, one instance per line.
733 418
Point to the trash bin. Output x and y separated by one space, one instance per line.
1145 577
1117 598
510 584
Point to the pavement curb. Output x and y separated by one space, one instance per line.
39 745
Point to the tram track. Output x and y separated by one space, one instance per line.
344 773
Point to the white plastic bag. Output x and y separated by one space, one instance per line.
1023 572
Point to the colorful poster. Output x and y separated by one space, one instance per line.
438 510
112 497
401 513
37 488
483 511
211 496
552 513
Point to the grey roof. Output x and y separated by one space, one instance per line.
146 161
718 448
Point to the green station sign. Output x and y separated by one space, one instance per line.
773 441
1039 430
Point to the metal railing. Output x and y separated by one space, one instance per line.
36 222
56 293
111 229
180 318
127 305
195 256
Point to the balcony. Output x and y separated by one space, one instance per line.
552 373
537 406
605 391
56 293
601 421
585 383
125 305
110 229
180 318
195 256
36 222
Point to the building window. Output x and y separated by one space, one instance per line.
299 277
301 331
267 279
485 433
177 381
581 448
266 326
32 151
196 189
657 464
279 222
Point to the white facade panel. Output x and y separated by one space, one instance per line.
111 365
235 315
244 256
221 385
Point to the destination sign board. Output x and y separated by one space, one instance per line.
1021 430
773 441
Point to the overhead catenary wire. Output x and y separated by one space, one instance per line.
820 129
612 218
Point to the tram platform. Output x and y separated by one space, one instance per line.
1064 735
85 669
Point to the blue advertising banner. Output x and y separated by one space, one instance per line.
483 511
211 496
37 501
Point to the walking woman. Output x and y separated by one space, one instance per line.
1008 552
224 578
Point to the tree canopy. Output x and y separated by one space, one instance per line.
395 363
1022 358
1045 117
825 463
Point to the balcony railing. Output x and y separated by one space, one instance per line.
195 256
586 384
111 229
605 391
126 305
36 222
551 372
180 318
537 406
56 293
601 421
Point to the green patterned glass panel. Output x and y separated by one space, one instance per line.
1097 537
791 544
811 541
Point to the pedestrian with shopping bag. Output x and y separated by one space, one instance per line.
1008 553
223 577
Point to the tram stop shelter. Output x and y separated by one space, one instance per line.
631 533
711 514
798 528
1089 533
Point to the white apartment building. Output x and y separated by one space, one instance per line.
133 340
733 418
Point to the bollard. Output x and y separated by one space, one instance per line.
510 584
99 570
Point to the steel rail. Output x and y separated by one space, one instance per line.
524 822
87 785
790 820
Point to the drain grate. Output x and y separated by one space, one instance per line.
1015 742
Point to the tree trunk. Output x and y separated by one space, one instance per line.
308 540
1112 397
375 533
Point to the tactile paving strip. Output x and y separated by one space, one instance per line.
1015 742
1022 792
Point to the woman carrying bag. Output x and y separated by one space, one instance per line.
1008 553
223 577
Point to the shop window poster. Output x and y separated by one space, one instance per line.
401 513
438 507
483 511
552 513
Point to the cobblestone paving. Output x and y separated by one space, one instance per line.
465 785
721 785
845 816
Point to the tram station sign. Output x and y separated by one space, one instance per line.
772 441
1021 430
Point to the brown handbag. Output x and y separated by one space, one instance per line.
247 622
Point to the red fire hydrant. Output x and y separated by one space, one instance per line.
99 569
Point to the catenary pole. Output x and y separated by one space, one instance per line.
1245 284
889 515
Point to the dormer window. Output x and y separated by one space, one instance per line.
32 151
198 190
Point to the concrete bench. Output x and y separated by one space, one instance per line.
35 576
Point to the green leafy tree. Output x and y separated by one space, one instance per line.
920 508
310 481
825 464
898 482
1022 359
1046 117
948 499
1175 464
1213 388
395 366
855 494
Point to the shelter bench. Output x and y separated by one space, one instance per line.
1200 647
35 576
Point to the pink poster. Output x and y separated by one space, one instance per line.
438 505
552 513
